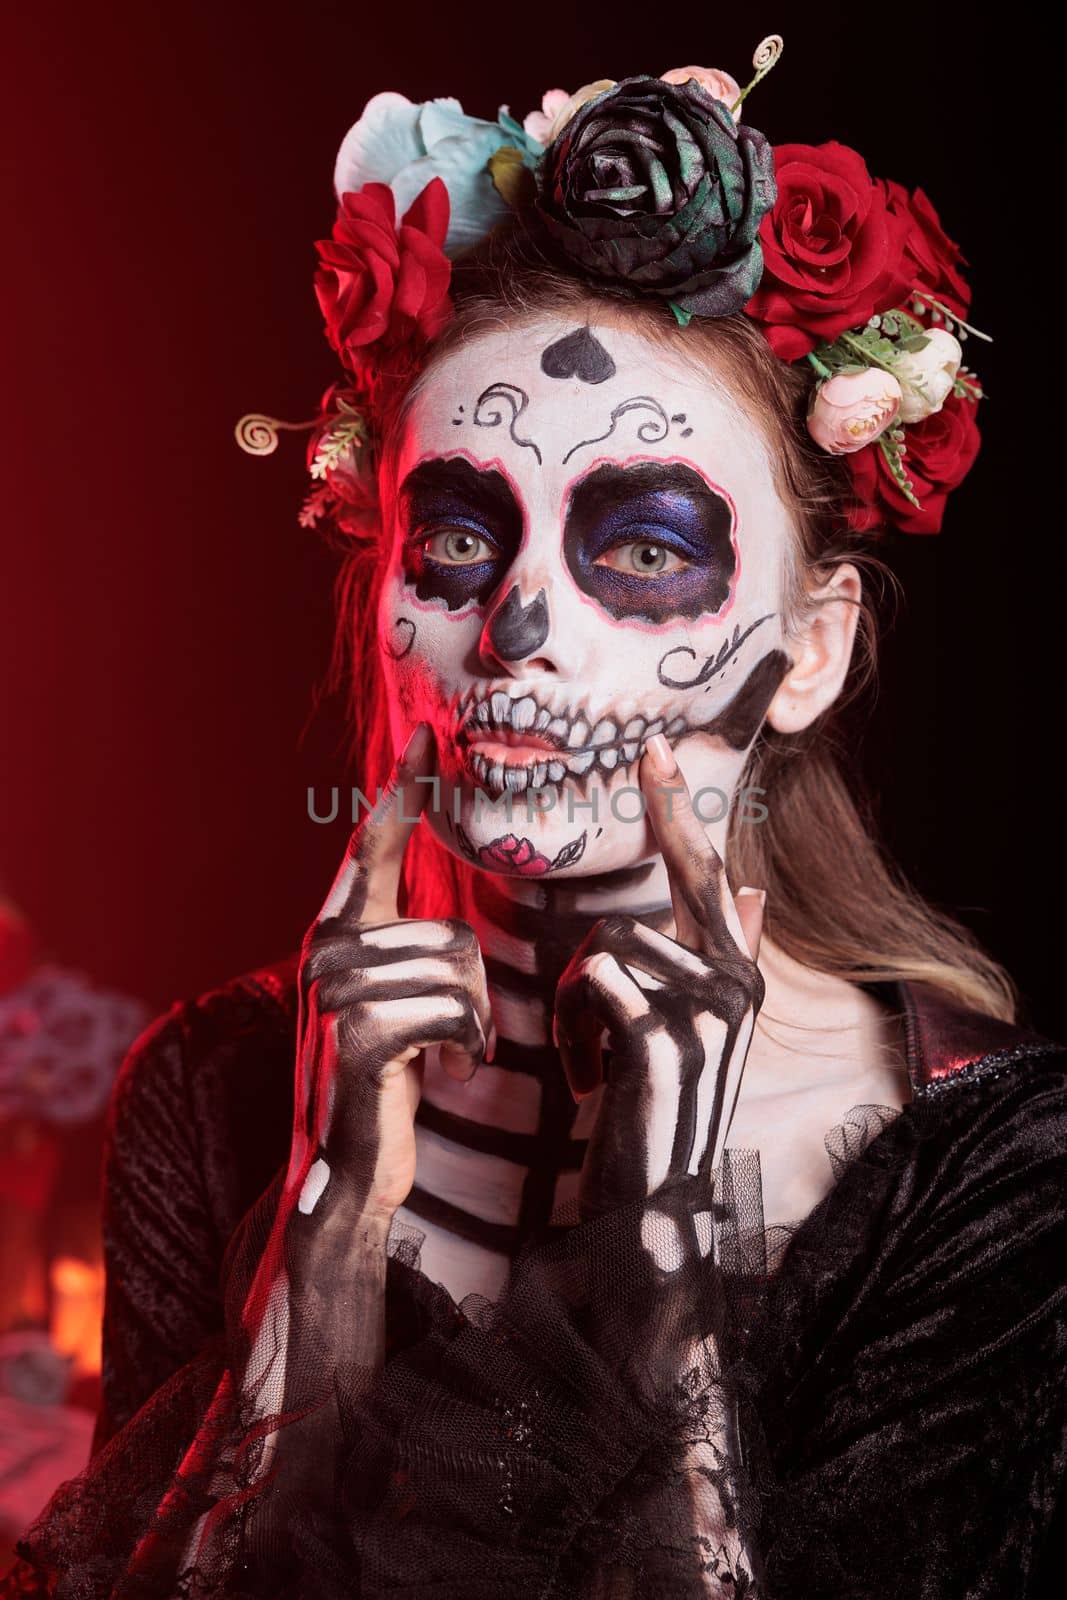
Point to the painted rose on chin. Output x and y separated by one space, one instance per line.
512 854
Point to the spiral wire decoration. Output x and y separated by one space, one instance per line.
766 55
258 435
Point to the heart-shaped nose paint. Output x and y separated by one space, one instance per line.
578 355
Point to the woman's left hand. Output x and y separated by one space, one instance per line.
678 1013
678 1016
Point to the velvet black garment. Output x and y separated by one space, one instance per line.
897 1381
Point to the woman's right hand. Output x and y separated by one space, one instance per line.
375 991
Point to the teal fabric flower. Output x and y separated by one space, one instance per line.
528 147
405 144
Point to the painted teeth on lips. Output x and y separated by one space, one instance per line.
554 743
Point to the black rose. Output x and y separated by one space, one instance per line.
652 186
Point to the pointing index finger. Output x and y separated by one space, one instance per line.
367 886
703 905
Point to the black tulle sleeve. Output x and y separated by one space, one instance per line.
577 1437
198 1124
913 1392
647 1410
160 1250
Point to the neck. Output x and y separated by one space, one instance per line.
528 931
499 1158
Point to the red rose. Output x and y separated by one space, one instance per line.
383 285
521 855
940 452
834 253
934 255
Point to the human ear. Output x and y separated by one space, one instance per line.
821 650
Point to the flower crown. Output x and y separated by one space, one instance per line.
653 187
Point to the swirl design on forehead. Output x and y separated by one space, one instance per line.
489 412
502 403
652 431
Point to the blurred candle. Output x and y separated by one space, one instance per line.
77 1312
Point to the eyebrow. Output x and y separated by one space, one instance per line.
454 480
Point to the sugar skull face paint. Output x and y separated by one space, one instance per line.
586 548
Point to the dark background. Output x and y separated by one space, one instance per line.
164 622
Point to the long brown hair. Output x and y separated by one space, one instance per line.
834 901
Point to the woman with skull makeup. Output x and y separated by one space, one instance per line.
633 1188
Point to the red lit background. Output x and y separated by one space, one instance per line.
165 623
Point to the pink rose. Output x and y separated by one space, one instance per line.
720 85
851 410
538 123
557 109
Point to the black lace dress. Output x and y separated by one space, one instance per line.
892 1381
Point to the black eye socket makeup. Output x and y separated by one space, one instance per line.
681 560
461 525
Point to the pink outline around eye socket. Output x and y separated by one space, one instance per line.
398 538
717 488
494 464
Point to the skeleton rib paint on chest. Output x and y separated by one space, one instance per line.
498 1159
587 549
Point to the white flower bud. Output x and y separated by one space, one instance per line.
927 376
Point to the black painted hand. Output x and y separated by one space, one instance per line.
677 1017
677 1014
375 991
